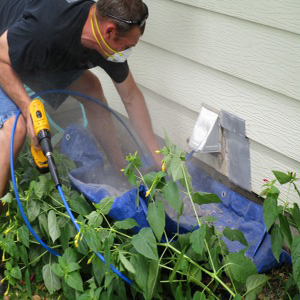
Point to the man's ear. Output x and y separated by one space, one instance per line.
110 31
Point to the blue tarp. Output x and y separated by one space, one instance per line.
234 211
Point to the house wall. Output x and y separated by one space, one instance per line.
235 55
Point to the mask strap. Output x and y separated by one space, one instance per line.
95 36
98 29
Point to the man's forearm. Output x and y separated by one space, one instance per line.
9 80
13 87
140 119
136 108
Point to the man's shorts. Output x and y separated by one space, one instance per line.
37 84
7 108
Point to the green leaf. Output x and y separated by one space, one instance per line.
98 270
105 205
199 296
62 221
53 227
126 224
16 272
285 228
95 219
40 187
277 241
56 268
240 266
141 265
197 239
68 292
35 254
296 189
186 181
205 198
282 177
126 263
175 168
28 283
74 280
273 191
85 296
172 195
129 172
11 247
73 266
24 235
8 198
295 211
235 235
149 177
65 236
92 239
177 265
79 204
144 242
152 278
184 240
51 280
270 211
156 218
295 252
23 254
70 255
33 210
254 285
43 223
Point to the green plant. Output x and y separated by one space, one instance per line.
282 219
196 265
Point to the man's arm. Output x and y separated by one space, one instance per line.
13 86
136 108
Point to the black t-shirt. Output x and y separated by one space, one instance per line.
44 36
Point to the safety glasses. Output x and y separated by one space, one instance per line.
140 23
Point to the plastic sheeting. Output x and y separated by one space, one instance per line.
234 211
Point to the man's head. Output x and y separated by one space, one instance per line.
125 14
119 25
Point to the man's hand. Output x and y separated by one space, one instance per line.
30 130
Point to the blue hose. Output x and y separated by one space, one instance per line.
16 190
99 255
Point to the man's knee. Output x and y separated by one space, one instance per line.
20 131
92 84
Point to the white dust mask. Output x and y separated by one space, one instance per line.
117 57
120 57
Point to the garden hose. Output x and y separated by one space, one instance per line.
58 186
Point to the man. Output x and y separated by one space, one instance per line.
52 44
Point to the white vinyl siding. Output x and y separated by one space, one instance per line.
199 52
281 14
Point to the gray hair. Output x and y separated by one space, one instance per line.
123 9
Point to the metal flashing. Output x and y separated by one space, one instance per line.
238 155
233 123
